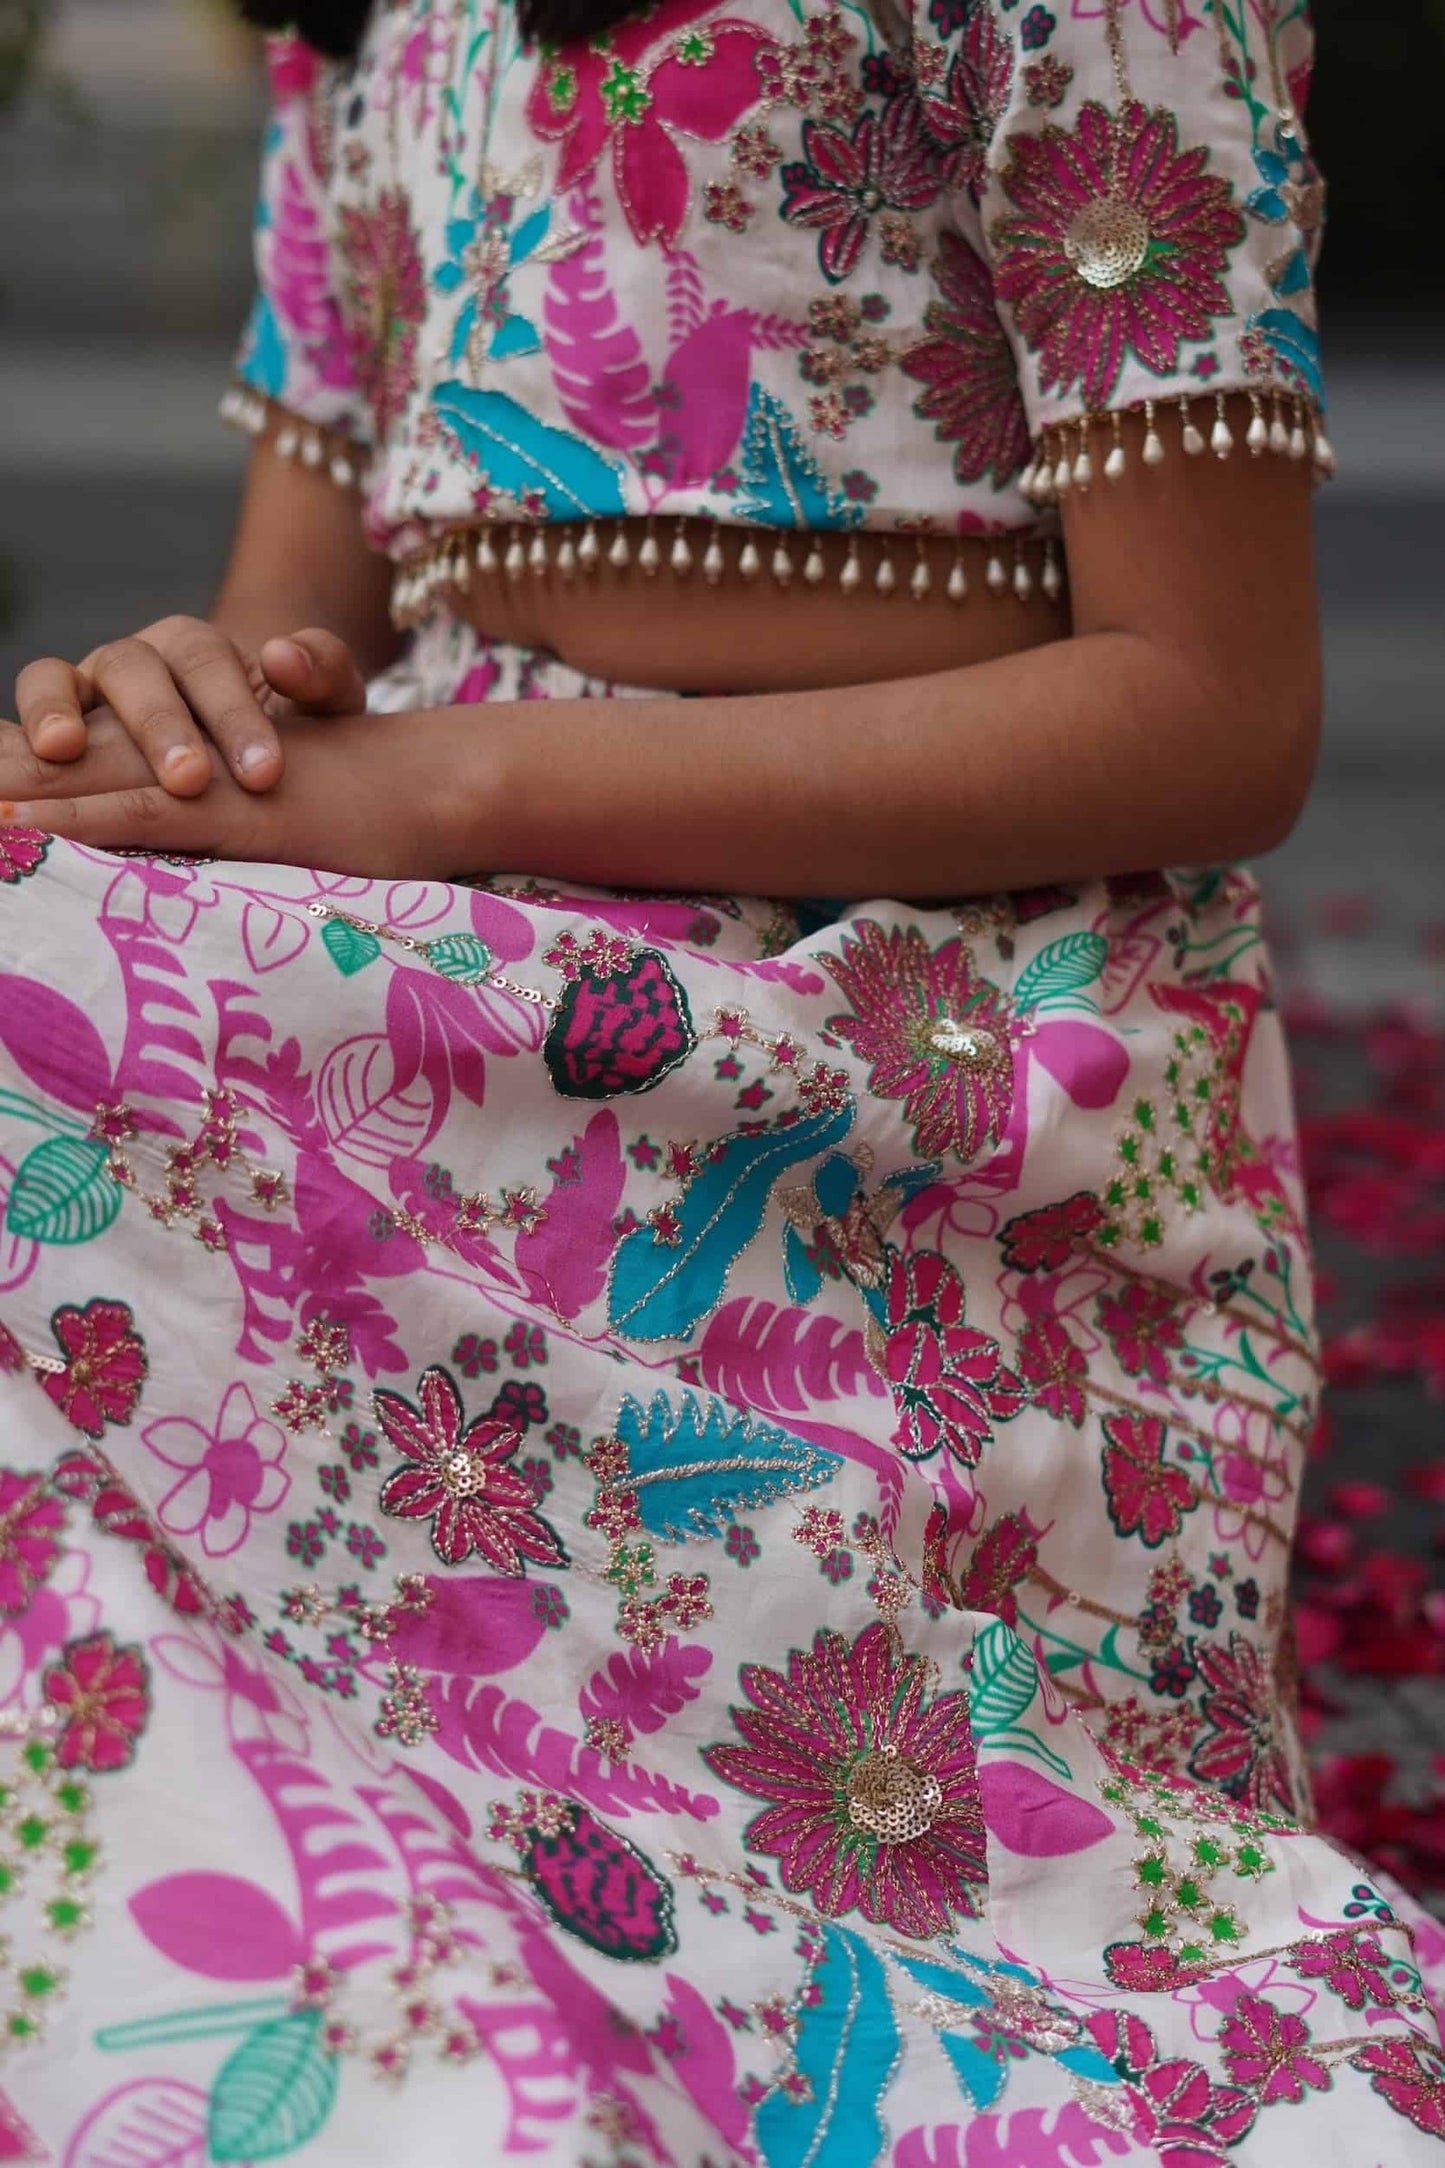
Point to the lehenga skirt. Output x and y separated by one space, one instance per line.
653 1529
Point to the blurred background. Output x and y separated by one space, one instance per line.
128 140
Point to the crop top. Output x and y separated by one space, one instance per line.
779 265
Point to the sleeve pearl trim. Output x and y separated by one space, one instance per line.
292 437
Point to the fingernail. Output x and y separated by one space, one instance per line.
178 759
51 723
295 654
254 757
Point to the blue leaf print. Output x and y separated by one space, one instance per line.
834 1184
522 455
513 336
264 365
1295 343
466 320
848 2048
1295 276
981 2075
530 234
695 1464
783 485
804 1280
661 1290
1088 2063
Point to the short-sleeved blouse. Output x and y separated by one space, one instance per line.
782 264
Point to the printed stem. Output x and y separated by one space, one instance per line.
203 2024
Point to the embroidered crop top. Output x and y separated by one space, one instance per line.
783 265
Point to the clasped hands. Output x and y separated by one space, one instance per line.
180 740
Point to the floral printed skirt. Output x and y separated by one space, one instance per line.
654 1530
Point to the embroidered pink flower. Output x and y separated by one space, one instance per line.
1178 2109
968 366
385 301
458 1476
1142 1325
963 106
228 1473
1045 1240
102 1693
1003 1558
658 77
1115 246
1051 1364
1146 1497
1266 2049
21 851
31 1521
846 177
1410 2074
105 1366
1353 1965
935 1033
1241 1752
949 1381
873 1799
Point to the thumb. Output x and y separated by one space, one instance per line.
316 672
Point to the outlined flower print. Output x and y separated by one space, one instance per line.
964 102
105 1366
22 851
1240 1752
649 87
872 1795
846 177
1146 1497
1003 1558
227 1473
1046 1239
967 365
32 1520
1179 2110
102 1694
1410 2074
934 1032
1054 1367
1352 1966
950 1383
1115 245
458 1475
385 301
1141 1324
1268 2050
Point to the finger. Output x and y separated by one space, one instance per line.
316 671
147 818
50 706
132 677
217 686
111 761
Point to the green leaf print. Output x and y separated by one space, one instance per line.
1062 969
275 2092
461 957
349 948
62 1192
1002 1683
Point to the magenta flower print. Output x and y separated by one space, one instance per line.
22 850
666 75
1410 2074
105 1366
1267 2050
967 364
1054 1368
846 177
1141 1324
1146 1497
458 1475
226 1474
1241 1751
1115 246
31 1522
950 1384
936 1034
385 301
102 1695
963 105
871 1791
1352 1965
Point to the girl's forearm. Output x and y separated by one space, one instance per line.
1099 754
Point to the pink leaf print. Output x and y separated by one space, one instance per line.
708 373
563 1262
218 1925
1032 1816
54 1042
474 1624
646 1689
598 366
147 2123
1090 1064
705 2064
1032 2138
782 1361
481 1728
295 264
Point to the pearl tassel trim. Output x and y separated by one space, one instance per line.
519 550
1067 454
328 450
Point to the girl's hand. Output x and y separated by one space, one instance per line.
369 794
178 682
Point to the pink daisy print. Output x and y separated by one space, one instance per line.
458 1475
228 1473
102 1694
105 1366
872 1797
936 1034
1115 247
967 365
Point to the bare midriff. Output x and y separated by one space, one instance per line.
739 635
